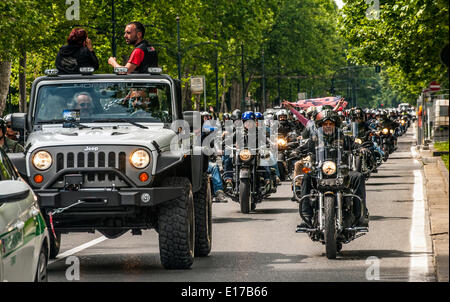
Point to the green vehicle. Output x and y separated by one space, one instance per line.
24 239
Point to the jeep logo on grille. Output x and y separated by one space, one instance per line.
91 149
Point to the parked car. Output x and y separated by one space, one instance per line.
24 238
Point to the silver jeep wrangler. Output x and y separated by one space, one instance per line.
98 156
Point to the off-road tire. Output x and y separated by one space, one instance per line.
203 218
176 226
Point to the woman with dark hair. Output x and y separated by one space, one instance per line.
78 53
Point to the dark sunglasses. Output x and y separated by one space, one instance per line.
84 105
8 125
139 98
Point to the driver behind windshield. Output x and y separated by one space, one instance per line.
329 121
83 102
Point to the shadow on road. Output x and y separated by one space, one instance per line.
388 183
274 211
377 218
364 254
237 219
382 190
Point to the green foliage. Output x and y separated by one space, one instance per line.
300 35
406 40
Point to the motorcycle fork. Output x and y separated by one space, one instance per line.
339 211
321 218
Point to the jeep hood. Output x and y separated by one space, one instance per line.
56 135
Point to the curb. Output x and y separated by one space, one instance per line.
436 208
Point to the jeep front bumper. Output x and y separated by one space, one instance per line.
140 197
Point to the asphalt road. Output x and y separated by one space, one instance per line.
263 246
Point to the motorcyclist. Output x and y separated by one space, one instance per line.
284 125
329 121
357 116
213 168
10 133
8 145
245 131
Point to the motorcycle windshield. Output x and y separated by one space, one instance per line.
331 147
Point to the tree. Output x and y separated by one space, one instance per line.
406 39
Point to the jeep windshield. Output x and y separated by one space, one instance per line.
97 102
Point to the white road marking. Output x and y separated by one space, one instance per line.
418 267
78 249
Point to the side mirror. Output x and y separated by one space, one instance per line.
13 190
18 121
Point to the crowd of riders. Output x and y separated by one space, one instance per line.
376 130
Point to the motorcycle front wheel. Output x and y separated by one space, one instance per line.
245 193
330 227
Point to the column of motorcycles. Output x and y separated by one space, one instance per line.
330 166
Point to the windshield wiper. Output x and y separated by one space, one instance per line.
121 121
77 124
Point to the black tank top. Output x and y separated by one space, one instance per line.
150 57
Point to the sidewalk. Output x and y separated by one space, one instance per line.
437 194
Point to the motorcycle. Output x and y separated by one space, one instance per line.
285 147
249 185
363 162
335 207
388 140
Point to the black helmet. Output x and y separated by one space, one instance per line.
357 113
327 115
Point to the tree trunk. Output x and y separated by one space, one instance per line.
5 74
23 81
223 107
236 94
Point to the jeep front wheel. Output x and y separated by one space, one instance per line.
203 219
176 226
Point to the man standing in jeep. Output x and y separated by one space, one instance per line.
143 55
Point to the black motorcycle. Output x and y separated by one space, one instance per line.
285 144
249 184
335 207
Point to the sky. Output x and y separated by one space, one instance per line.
339 3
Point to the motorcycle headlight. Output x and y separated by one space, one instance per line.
42 160
140 159
358 141
385 131
245 155
329 168
281 142
403 122
391 131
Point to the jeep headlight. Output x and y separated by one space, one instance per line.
391 131
385 131
358 141
245 155
140 159
42 160
329 168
